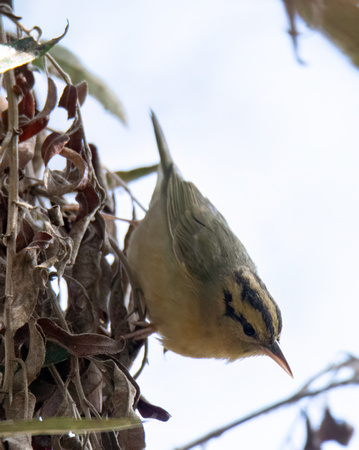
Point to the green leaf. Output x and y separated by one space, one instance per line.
135 174
71 64
61 425
22 51
55 354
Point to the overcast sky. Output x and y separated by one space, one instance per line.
274 145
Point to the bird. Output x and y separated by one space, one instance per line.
201 289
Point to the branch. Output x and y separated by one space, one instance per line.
304 392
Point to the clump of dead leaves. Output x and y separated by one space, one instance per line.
70 360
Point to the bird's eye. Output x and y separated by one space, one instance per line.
248 329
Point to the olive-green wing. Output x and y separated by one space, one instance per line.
203 243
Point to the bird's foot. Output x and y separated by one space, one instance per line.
144 330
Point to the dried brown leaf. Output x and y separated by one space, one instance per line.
51 99
105 282
55 216
5 10
40 241
80 314
313 441
332 429
17 411
38 120
34 359
27 105
122 405
68 100
73 178
69 443
51 406
25 235
82 90
85 296
150 411
76 134
26 151
26 154
32 128
117 310
24 77
25 288
43 390
53 145
88 200
92 383
36 356
80 345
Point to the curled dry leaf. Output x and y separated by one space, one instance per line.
88 200
26 153
150 411
55 216
71 94
25 235
51 99
68 100
39 120
87 344
5 10
40 241
24 287
35 357
73 178
32 128
53 145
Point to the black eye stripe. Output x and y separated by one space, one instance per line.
230 312
252 297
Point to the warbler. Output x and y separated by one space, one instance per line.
202 291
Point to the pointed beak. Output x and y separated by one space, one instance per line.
276 354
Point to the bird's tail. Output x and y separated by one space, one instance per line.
165 155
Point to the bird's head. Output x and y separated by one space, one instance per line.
250 318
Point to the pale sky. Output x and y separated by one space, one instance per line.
274 145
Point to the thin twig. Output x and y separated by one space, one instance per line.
65 392
303 392
86 406
144 361
126 188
